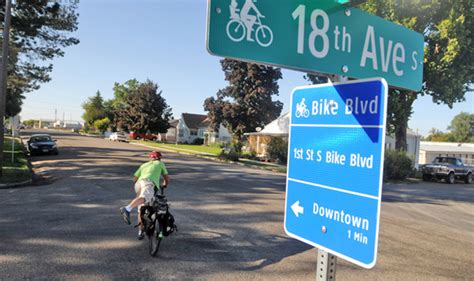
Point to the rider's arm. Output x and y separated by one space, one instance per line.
166 180
135 179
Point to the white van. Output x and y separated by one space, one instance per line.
118 136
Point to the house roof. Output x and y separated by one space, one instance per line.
278 127
174 123
195 121
450 147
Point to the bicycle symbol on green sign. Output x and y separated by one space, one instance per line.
241 25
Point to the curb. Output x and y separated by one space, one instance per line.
30 167
213 158
90 135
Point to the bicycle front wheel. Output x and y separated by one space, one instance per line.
264 36
154 240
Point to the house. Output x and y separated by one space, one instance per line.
258 141
429 150
413 146
68 125
171 134
191 127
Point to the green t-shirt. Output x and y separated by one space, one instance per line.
151 170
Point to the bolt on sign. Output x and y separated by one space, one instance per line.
316 36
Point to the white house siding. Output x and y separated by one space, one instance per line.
430 150
413 146
183 132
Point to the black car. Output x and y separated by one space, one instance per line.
42 144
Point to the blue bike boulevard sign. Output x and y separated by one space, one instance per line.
335 162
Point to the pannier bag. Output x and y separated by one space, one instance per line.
168 223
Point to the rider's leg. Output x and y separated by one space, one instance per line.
249 22
136 202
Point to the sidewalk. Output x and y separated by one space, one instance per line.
242 161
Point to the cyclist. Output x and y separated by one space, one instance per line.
248 19
146 178
301 107
233 10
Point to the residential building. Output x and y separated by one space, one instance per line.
429 150
413 145
68 125
191 127
171 134
258 141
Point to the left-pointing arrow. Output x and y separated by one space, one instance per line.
297 209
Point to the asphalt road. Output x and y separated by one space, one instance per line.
230 220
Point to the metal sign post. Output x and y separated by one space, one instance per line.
326 263
326 266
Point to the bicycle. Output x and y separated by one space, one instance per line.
157 221
236 31
302 113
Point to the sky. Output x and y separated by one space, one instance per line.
165 41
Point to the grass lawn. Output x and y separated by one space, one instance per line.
18 170
191 148
211 151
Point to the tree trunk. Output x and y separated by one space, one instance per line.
402 110
401 136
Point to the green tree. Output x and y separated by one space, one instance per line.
447 27
117 103
121 91
461 127
144 110
277 149
102 124
93 109
247 102
438 136
29 122
39 33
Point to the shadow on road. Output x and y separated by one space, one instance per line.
428 193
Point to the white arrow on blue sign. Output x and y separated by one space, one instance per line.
334 180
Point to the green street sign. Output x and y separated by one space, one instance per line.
316 36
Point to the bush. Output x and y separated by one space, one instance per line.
198 141
102 124
232 155
278 150
397 165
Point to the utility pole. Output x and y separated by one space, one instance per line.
3 78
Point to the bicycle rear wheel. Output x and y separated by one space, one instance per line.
154 240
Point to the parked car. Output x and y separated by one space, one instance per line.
42 144
139 136
118 136
449 169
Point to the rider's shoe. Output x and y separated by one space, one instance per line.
141 234
125 215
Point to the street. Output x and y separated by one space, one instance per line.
230 221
